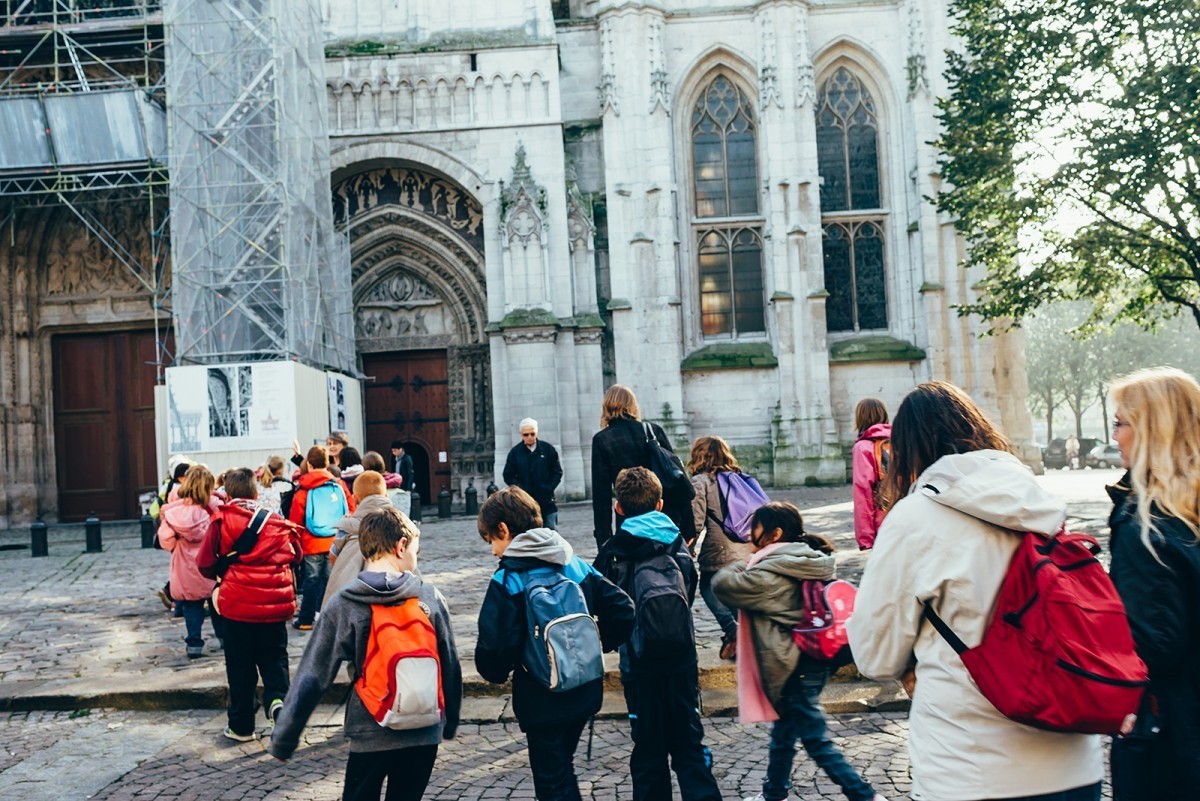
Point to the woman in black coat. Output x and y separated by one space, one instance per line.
1156 569
621 443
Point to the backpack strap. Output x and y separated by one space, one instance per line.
940 626
245 542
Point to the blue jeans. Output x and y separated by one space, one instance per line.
801 718
725 616
1089 793
550 521
316 576
193 619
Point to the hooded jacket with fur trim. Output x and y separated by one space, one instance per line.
950 542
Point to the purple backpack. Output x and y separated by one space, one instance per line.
741 496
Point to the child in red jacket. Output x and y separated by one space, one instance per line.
256 596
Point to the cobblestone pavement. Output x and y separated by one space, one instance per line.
75 617
130 756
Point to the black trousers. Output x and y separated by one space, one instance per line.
665 723
552 760
407 771
253 650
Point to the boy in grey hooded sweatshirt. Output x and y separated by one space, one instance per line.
405 758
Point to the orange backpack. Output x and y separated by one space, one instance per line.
883 465
400 683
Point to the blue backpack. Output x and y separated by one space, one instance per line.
562 649
741 497
324 509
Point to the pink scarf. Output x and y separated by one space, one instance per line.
753 704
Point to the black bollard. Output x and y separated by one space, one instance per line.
444 503
149 531
414 512
91 534
39 545
471 495
492 489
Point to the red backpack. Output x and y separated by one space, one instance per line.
828 605
1058 653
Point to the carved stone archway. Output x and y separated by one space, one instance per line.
417 264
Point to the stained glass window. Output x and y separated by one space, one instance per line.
847 144
729 257
848 161
731 287
726 167
854 276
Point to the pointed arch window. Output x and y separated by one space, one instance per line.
853 216
726 221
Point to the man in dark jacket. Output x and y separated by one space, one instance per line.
662 685
403 466
552 721
533 466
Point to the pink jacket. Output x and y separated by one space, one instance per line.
184 525
864 476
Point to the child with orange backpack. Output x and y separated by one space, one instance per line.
395 717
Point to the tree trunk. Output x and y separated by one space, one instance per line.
1104 413
1049 426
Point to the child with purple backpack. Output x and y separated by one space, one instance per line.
715 471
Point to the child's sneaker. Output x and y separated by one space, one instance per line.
166 599
194 651
230 734
298 626
273 713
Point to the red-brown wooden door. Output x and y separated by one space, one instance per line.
104 437
409 400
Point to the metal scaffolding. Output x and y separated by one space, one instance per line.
83 123
258 272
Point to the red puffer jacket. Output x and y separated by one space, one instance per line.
259 586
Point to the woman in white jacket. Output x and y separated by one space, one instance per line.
948 539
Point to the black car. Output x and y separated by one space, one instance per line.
1054 456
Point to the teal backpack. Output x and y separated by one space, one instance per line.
324 509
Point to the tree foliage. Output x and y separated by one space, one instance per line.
1071 155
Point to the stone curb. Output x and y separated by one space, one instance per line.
483 703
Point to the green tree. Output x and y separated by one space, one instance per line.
1071 155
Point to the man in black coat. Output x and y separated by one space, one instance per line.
403 467
533 466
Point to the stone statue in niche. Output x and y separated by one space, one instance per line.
413 189
400 288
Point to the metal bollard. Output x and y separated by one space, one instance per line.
149 531
492 489
444 503
39 544
471 496
91 534
414 514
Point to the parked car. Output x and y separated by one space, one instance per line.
1103 456
1055 455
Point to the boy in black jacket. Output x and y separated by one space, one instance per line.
648 556
511 523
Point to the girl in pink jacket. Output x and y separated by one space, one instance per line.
184 525
872 447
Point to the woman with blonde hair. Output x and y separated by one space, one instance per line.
947 542
1156 568
710 456
622 442
184 526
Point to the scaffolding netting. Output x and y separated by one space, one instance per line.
259 272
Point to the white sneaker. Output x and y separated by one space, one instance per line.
880 797
230 734
273 714
755 797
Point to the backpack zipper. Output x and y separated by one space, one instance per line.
1087 674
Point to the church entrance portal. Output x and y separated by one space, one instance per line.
409 400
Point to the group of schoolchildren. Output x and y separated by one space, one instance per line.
546 620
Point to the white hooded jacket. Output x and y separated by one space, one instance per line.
950 542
